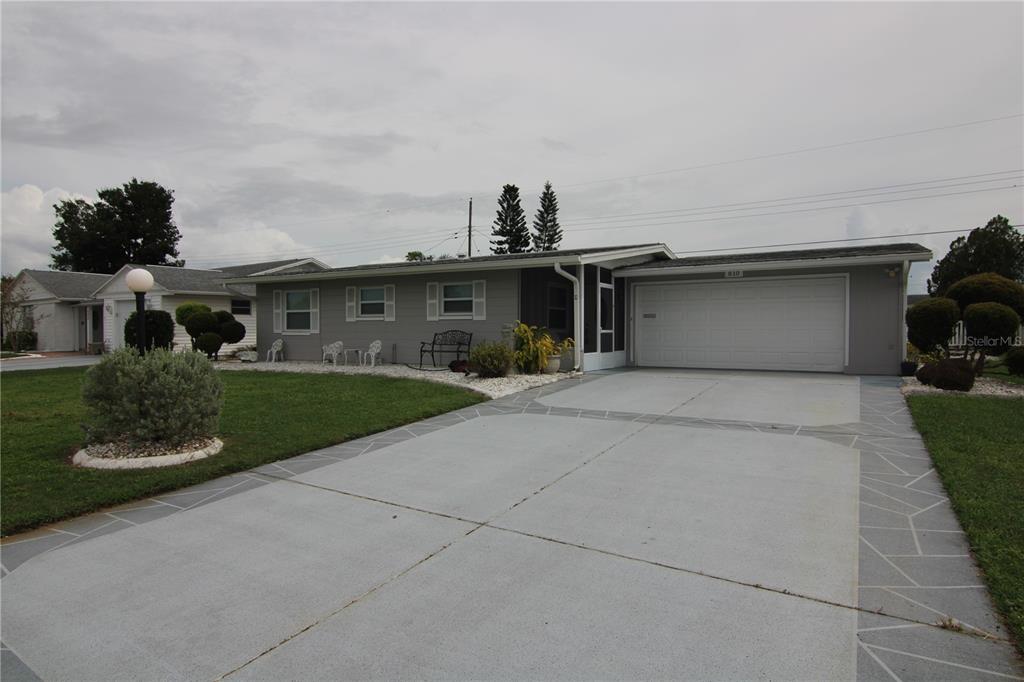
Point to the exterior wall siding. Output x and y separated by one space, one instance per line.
875 324
181 339
410 326
56 326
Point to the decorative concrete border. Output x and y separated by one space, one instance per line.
84 459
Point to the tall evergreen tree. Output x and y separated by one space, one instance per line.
998 247
547 232
510 231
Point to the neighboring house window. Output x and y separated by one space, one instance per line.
457 299
241 307
558 308
371 302
297 311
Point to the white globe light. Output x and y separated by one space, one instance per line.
139 280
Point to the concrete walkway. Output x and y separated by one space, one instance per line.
557 533
49 361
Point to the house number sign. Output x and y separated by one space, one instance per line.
733 273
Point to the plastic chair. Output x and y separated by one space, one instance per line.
276 351
373 353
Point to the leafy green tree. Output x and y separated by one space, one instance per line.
417 256
510 231
998 247
128 224
547 233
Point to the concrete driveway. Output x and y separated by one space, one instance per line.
633 525
48 361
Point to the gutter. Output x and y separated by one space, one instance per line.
577 313
641 271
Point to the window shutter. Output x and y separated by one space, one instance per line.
432 303
480 299
389 303
278 313
350 304
314 310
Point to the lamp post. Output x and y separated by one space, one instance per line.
140 281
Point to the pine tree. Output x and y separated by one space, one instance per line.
510 231
547 231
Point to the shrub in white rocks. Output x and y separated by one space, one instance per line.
159 397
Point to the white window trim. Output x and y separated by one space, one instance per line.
313 310
240 300
359 303
441 300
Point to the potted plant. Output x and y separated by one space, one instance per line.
560 348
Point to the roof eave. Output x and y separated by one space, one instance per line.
801 264
453 266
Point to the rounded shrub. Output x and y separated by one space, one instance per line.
953 375
991 327
209 343
988 287
187 309
21 340
491 359
232 331
200 323
1014 360
930 323
223 316
157 397
159 329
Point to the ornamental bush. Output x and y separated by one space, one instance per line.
159 329
161 397
490 359
209 343
988 287
953 375
187 309
930 323
223 316
1014 360
232 331
200 323
990 327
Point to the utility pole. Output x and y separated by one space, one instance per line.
469 229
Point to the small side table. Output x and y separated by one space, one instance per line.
357 351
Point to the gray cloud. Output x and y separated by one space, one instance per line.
313 125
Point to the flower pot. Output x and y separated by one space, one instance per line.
554 364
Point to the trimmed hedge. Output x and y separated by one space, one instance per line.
1014 360
991 327
187 310
200 323
491 359
988 287
157 397
159 329
209 343
232 331
930 323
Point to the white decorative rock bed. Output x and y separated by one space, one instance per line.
87 457
492 388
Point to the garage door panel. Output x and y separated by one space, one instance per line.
794 324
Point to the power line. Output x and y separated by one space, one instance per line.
804 210
793 152
833 241
809 196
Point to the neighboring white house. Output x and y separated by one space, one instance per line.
74 311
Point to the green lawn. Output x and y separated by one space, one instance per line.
267 416
978 447
1003 374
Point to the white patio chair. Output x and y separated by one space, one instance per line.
332 351
276 351
373 353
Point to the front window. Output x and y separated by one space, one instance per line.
298 311
457 299
371 302
241 307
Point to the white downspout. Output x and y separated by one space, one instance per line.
577 315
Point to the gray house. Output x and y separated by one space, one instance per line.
820 310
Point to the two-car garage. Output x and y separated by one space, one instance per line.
797 323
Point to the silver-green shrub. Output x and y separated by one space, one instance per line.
157 397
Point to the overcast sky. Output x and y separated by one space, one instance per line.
357 132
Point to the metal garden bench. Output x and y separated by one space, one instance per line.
451 342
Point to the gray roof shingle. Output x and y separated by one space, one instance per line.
252 268
797 255
72 286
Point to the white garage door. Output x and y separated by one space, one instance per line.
783 324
